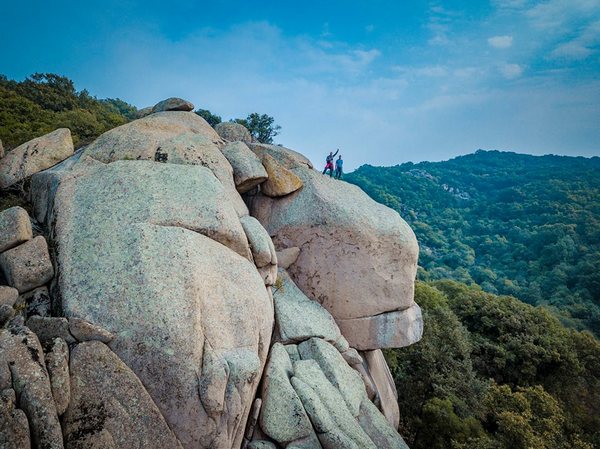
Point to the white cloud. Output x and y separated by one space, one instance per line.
500 41
511 71
580 47
557 15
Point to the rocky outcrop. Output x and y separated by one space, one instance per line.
170 137
34 156
168 309
248 171
311 395
233 132
357 258
182 322
173 104
109 406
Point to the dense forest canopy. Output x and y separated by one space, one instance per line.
494 373
514 224
44 102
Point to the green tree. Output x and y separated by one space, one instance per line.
262 127
212 119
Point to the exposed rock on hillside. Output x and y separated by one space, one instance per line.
167 309
357 258
34 156
233 132
173 104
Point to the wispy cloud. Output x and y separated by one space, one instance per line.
511 71
500 41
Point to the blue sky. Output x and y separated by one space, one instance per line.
385 81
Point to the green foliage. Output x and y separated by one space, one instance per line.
44 102
515 224
212 119
493 372
262 127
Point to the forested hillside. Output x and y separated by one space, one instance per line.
494 373
44 102
514 224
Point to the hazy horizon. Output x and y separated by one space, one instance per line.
386 83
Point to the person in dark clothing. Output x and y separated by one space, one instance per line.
338 167
329 162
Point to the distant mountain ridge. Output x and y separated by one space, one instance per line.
516 224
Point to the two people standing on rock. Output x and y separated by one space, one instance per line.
338 164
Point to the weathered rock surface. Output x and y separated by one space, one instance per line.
28 265
21 350
34 156
358 258
298 318
35 302
173 104
387 330
280 181
49 328
6 313
166 276
1 149
110 405
141 113
287 256
283 417
14 428
57 364
8 295
387 396
248 170
263 251
233 132
173 138
15 228
143 139
311 396
83 330
284 156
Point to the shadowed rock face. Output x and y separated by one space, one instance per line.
357 258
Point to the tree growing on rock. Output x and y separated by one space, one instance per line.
262 127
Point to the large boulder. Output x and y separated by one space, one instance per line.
28 265
34 156
15 228
143 139
233 132
358 258
280 181
173 104
155 254
248 171
110 404
169 137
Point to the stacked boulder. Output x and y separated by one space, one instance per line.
25 265
190 309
